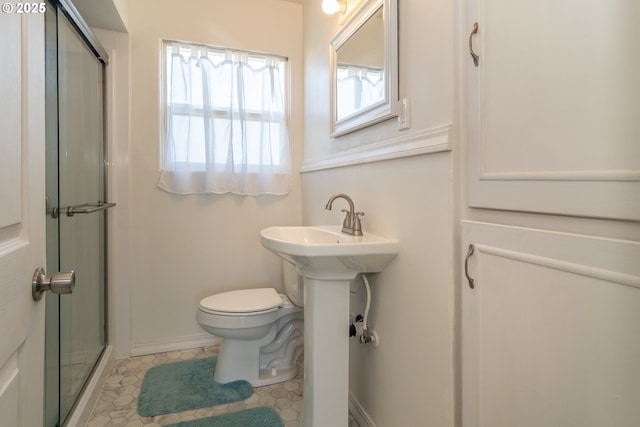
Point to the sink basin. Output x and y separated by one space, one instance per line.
324 252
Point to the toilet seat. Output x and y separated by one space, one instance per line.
244 302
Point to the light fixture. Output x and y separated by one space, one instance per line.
332 6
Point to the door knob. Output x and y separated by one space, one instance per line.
59 283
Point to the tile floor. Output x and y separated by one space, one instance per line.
117 404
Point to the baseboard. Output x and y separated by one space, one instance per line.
358 413
91 393
173 344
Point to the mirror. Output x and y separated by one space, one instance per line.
364 68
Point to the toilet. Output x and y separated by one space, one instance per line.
262 331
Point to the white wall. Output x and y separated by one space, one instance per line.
184 248
426 74
408 380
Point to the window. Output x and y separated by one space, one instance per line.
225 121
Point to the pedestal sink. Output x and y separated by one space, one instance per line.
327 259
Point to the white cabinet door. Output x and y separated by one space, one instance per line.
554 107
22 216
551 329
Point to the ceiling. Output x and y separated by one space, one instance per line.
100 14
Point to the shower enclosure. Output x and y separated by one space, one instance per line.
76 227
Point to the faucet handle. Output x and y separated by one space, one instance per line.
348 220
356 215
357 225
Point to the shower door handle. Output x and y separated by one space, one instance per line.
86 208
59 283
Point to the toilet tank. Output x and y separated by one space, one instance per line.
292 283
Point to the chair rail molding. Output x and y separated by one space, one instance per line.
428 141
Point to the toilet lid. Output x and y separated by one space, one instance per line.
243 301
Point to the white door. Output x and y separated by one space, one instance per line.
553 107
550 329
22 216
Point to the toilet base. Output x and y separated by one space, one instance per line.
270 360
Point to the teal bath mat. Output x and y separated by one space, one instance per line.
182 386
254 417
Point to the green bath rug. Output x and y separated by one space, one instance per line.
182 386
254 417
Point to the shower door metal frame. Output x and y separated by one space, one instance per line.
92 43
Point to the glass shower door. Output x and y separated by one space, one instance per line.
81 186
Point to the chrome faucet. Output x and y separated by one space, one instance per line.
351 224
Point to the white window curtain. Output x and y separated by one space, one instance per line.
226 122
359 87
